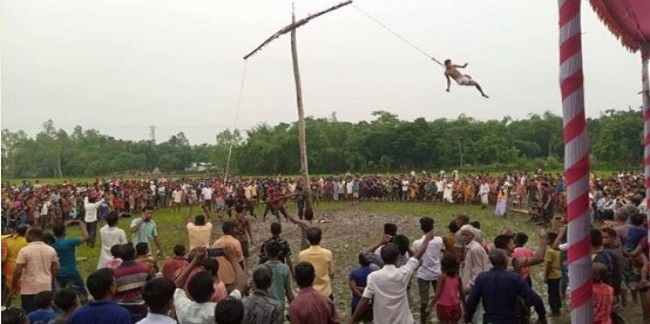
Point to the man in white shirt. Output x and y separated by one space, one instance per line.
386 287
177 196
91 204
206 193
201 288
158 294
429 270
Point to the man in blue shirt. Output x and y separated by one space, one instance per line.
358 282
68 275
103 309
500 291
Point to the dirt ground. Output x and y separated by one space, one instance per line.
348 231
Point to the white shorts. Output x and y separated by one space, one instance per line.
465 80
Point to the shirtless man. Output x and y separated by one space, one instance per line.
451 70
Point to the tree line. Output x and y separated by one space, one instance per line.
383 144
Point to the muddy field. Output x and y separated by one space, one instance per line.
348 231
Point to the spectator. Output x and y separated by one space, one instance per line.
130 278
429 270
476 259
111 236
178 261
229 311
522 251
67 301
91 204
68 275
102 309
321 260
36 268
358 281
553 275
199 231
285 250
311 306
144 229
260 307
220 291
116 261
228 241
281 281
14 316
15 242
44 314
387 287
158 294
201 289
499 290
603 295
449 292
243 230
144 256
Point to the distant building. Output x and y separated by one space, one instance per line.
200 167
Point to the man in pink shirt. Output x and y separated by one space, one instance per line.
36 268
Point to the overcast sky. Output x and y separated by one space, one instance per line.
122 65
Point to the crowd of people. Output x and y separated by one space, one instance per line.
461 274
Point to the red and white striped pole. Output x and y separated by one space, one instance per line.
576 161
645 55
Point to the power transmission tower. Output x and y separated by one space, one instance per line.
152 134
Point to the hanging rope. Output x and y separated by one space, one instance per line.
239 100
396 34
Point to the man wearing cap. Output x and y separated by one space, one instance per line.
476 261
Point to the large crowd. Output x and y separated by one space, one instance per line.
460 276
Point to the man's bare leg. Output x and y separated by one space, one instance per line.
478 87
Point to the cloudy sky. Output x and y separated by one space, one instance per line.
122 65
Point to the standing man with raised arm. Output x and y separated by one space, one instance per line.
387 287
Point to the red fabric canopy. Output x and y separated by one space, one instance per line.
628 20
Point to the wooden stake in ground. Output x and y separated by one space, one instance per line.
302 136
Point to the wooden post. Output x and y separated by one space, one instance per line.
302 137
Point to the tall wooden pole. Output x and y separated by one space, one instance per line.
302 136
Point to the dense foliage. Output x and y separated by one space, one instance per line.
383 144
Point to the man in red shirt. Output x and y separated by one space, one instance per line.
178 261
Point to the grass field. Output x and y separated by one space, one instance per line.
599 173
354 227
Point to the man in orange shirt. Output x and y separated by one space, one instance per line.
36 268
228 241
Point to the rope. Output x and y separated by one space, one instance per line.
397 35
239 100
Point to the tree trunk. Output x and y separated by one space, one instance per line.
302 140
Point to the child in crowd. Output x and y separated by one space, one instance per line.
67 300
449 292
635 234
553 275
116 261
603 295
44 314
144 256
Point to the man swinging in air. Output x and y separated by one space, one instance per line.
451 70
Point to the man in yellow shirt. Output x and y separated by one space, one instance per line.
15 242
553 275
321 259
